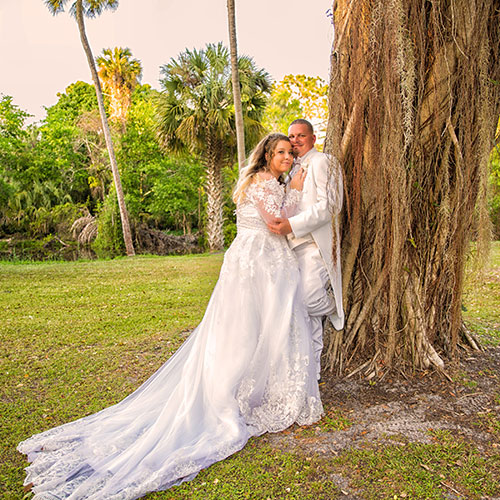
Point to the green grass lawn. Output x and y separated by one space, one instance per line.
481 299
77 337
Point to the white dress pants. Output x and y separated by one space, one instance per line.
314 281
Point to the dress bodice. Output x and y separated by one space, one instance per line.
263 200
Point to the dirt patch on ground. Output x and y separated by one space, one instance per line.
404 410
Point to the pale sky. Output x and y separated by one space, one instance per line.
40 55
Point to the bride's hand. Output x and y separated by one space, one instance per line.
297 181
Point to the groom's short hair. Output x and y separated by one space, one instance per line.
301 121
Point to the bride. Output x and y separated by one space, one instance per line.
247 369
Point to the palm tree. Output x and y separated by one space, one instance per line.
92 8
240 132
414 103
119 74
196 113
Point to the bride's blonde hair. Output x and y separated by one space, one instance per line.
259 161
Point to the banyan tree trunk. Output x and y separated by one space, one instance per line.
414 103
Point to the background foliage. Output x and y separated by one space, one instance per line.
57 171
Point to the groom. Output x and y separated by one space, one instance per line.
310 233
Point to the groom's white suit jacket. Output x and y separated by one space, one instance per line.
321 203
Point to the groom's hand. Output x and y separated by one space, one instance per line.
279 226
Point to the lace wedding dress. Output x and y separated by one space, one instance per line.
246 369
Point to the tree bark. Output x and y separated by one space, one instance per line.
238 111
414 103
127 235
214 189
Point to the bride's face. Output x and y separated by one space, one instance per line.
282 159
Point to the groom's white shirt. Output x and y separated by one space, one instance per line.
321 204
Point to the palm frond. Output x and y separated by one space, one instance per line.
196 101
84 229
55 6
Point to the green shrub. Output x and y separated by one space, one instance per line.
57 219
109 241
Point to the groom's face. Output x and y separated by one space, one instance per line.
301 138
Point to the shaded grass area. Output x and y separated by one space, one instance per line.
77 337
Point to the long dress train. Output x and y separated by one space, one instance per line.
247 369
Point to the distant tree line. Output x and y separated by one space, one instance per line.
175 149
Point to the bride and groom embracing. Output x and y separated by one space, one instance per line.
252 364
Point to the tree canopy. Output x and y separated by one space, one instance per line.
196 114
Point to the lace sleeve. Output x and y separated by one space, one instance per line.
291 203
267 195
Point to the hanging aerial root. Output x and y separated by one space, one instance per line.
334 352
425 353
362 316
369 368
471 340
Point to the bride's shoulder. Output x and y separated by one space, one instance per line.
264 176
266 180
263 185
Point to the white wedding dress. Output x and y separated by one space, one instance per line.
247 369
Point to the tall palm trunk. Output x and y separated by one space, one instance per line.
214 189
238 112
414 102
127 236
